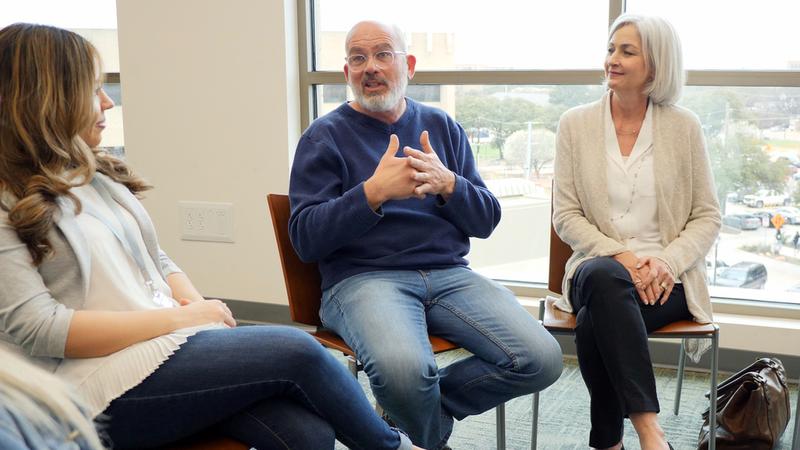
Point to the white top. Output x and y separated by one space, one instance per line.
116 284
633 207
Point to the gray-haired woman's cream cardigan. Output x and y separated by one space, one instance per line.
688 210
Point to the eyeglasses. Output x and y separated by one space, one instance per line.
382 59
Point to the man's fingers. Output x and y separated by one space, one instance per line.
413 153
425 142
422 190
394 144
421 176
415 162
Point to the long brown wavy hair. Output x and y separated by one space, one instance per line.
48 84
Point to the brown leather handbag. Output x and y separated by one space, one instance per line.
752 408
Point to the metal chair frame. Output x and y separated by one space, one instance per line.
304 294
796 436
559 254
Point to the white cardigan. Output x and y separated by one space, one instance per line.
688 211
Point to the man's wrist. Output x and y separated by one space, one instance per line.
449 188
372 193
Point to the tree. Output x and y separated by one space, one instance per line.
542 147
501 116
740 164
716 108
569 96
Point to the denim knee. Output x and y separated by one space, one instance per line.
541 362
299 348
403 376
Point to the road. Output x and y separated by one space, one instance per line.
783 272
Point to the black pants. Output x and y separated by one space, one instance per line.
611 340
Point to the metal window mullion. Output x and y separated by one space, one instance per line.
615 9
304 50
549 77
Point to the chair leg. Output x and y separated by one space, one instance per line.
681 367
352 365
535 420
796 438
712 410
500 412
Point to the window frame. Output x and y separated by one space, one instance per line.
310 78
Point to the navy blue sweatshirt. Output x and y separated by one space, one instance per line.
332 223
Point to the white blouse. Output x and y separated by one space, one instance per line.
632 188
116 283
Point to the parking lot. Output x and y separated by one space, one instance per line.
783 273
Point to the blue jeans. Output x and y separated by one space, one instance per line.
386 316
270 387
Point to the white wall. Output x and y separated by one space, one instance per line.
210 90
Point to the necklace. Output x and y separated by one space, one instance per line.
626 133
633 191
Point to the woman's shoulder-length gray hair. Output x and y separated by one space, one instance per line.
663 56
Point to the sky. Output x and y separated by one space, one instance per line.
526 34
61 13
571 34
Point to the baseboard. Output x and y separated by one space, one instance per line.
662 353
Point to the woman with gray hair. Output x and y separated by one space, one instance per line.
634 197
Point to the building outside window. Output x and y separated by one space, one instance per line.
95 20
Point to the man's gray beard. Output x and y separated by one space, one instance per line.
381 103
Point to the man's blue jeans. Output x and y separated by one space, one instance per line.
268 386
385 316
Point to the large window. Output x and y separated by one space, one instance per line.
508 73
96 20
472 35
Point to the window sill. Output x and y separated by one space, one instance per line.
768 328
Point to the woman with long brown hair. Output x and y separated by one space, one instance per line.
88 294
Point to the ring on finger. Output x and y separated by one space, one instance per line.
663 285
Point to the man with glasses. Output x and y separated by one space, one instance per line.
390 229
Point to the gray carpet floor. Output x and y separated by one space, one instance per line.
564 414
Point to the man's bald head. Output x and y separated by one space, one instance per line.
372 27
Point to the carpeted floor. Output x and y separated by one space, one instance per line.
564 414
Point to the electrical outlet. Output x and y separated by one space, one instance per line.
206 221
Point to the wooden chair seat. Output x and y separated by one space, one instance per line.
558 321
332 340
207 441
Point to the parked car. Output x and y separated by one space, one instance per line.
766 218
745 274
766 197
742 221
710 270
790 214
